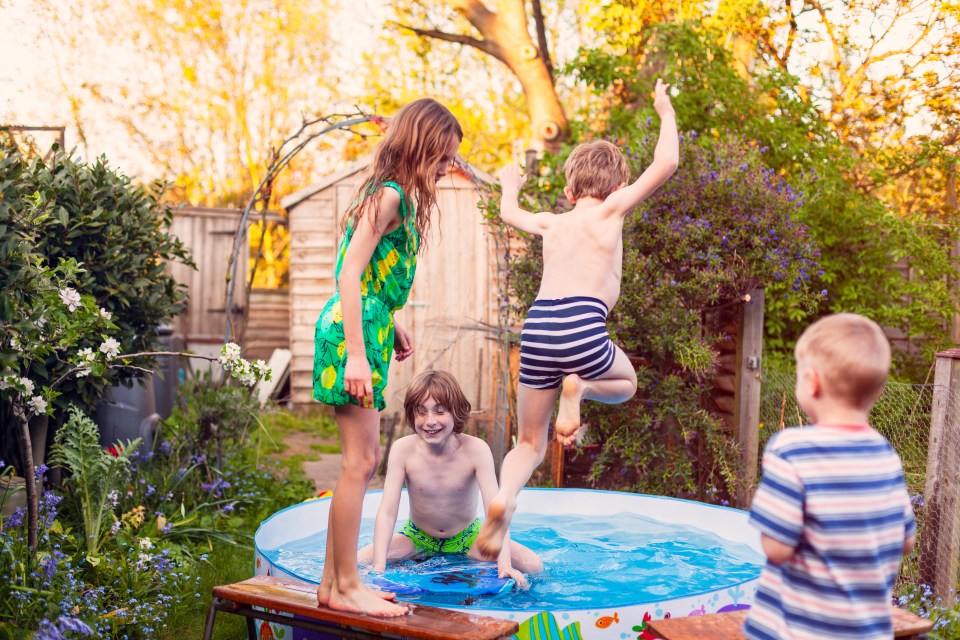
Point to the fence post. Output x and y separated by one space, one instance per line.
940 540
747 389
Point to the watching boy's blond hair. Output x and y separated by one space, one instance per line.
595 169
850 353
444 389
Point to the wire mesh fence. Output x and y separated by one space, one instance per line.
903 414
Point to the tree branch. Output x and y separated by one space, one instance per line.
542 35
483 45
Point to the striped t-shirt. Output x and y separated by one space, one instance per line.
837 495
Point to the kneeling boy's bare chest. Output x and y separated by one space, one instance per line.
441 481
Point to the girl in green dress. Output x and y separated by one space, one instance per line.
356 333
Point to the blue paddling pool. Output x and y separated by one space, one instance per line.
612 562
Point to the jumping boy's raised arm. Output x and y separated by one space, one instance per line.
510 212
666 157
389 505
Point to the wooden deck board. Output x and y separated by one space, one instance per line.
300 598
728 625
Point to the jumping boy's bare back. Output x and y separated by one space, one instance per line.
564 341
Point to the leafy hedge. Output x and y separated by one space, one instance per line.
64 209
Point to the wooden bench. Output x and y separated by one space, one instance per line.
728 626
300 599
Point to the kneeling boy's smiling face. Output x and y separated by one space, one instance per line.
433 422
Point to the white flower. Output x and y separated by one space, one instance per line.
110 348
27 385
87 355
41 322
83 372
229 354
15 344
145 543
70 297
38 405
144 558
261 370
8 381
243 373
106 315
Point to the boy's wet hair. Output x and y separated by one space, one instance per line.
595 169
444 389
850 353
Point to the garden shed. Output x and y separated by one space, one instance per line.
453 306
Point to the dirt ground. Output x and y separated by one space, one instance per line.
322 468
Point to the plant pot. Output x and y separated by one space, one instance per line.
13 494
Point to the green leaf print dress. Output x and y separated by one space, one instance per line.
384 287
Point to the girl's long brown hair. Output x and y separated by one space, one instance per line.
416 140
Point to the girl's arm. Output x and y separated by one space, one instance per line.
357 378
510 211
487 479
389 505
402 342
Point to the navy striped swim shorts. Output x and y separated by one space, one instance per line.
564 336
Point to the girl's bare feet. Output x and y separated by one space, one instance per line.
494 529
323 594
365 600
567 426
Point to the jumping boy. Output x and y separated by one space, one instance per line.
444 470
564 341
832 506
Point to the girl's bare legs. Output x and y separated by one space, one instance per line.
340 587
616 385
534 408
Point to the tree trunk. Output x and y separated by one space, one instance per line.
504 35
26 450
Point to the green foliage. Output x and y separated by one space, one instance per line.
119 232
70 227
722 226
213 419
169 508
93 472
858 239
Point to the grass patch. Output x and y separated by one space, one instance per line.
226 564
326 448
281 422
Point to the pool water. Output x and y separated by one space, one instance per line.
590 562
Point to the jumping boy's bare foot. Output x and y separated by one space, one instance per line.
567 426
494 529
365 600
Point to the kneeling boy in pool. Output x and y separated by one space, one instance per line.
443 468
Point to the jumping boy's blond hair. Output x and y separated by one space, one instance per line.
595 169
444 389
850 353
